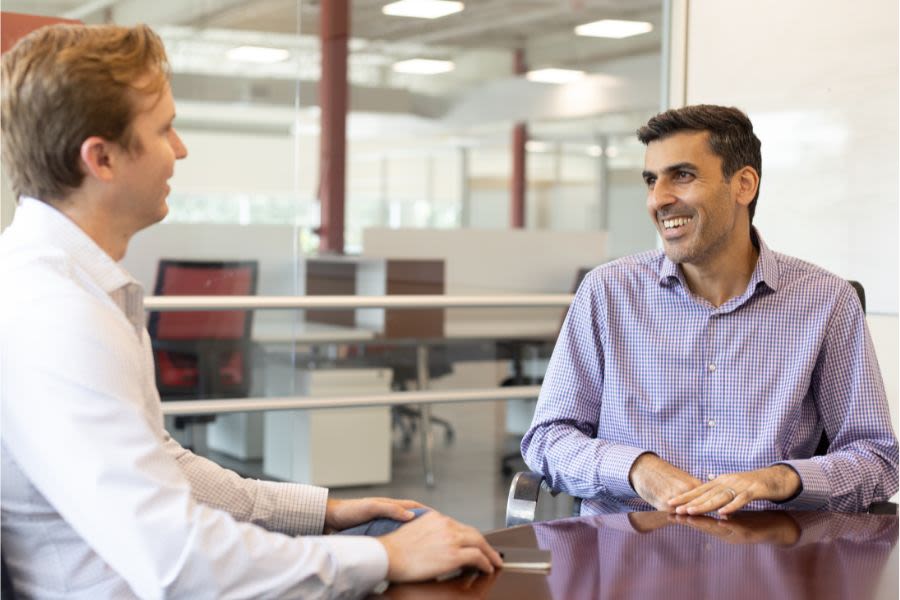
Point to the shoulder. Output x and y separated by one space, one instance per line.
797 276
42 284
627 272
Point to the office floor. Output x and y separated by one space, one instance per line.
469 485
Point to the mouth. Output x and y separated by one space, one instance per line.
672 226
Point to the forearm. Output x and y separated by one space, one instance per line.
293 509
847 480
577 464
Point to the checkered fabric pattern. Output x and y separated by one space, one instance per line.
643 365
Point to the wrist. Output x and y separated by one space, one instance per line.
640 465
787 483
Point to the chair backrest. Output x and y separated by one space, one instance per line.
203 278
824 442
6 587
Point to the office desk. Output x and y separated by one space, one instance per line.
764 555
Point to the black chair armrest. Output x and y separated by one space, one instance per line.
882 508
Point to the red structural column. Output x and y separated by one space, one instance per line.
519 138
334 31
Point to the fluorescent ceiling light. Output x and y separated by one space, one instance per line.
536 146
257 54
611 28
422 9
554 75
594 150
423 66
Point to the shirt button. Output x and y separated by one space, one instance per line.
710 476
711 367
711 422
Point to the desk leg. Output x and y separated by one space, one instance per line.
425 409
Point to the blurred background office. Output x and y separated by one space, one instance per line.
480 147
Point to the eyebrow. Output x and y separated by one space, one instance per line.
682 166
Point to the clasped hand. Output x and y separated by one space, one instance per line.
668 488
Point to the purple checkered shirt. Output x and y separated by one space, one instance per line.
642 365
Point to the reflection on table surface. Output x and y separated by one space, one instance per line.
759 555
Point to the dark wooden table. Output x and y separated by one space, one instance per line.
753 555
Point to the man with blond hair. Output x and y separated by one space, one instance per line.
98 500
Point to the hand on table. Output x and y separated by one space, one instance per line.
731 492
657 481
771 527
343 514
434 545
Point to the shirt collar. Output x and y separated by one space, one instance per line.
766 270
42 221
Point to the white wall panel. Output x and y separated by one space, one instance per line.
819 79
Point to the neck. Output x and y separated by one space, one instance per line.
111 237
726 275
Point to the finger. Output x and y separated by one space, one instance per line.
472 537
391 510
411 504
689 495
702 495
740 501
474 557
712 500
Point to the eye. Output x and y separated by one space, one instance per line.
649 181
683 176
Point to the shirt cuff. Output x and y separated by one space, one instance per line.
298 509
363 563
814 488
614 470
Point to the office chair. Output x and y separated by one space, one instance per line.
6 588
202 354
405 418
525 488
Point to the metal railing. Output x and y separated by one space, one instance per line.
164 303
423 397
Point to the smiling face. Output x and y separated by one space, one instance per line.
696 210
146 167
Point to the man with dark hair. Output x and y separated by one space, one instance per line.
98 500
702 377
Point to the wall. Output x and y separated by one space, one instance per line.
820 81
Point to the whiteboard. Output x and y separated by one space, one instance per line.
819 80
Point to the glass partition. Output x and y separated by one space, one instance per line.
429 161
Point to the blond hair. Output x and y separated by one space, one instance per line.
62 84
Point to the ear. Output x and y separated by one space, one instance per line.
745 183
97 158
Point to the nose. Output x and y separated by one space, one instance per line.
178 146
660 196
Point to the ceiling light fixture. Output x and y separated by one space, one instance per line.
422 9
423 66
257 54
554 75
612 28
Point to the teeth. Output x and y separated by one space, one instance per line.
671 223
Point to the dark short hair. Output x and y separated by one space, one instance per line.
731 136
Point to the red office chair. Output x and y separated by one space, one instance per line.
203 354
